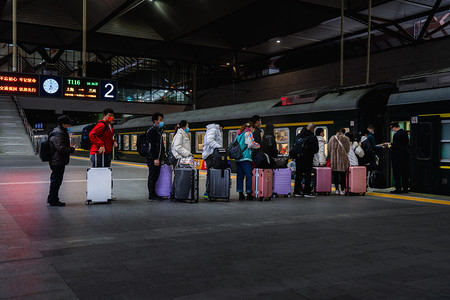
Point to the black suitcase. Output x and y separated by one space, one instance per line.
186 184
219 184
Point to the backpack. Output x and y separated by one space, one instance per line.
234 150
296 151
368 153
45 152
143 144
220 160
85 140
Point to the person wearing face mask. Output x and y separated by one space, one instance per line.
400 158
181 146
155 155
102 140
60 148
212 140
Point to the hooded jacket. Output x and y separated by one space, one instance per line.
181 146
320 158
213 140
60 147
310 147
247 143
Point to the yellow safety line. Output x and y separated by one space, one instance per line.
417 199
444 167
441 115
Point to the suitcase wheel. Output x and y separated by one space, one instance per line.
87 202
363 194
109 201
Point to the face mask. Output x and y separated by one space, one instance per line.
161 124
110 119
68 128
187 129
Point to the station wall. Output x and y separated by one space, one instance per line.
385 67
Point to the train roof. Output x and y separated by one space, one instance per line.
335 100
420 96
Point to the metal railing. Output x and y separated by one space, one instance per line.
27 126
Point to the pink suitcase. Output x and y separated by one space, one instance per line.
262 183
356 180
163 186
282 182
322 180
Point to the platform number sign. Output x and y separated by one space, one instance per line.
108 90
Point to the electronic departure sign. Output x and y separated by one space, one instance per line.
81 88
19 84
108 90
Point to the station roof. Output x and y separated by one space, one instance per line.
218 32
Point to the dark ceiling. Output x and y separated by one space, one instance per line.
216 32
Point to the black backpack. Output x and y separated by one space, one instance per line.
368 153
220 160
85 140
143 144
45 152
297 149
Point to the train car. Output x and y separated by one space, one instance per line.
352 108
422 105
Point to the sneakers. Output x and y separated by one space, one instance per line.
155 199
206 196
298 195
396 192
310 195
241 196
342 193
250 197
337 192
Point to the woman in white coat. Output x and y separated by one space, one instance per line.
355 150
181 146
320 159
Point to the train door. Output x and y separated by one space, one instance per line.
425 154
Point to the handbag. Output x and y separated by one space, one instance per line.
260 159
281 162
170 160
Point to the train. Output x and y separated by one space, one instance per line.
419 103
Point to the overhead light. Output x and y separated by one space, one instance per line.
278 41
228 64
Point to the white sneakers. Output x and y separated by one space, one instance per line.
340 192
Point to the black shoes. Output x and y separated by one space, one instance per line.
250 197
396 192
241 196
155 198
59 203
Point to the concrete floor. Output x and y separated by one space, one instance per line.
369 247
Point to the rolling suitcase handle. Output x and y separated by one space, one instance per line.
96 161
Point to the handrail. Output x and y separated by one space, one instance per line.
28 128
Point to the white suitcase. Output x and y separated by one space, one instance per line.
99 185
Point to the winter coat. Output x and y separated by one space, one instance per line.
212 140
181 146
310 147
247 143
355 152
257 135
320 158
154 136
60 147
400 146
102 135
338 154
269 146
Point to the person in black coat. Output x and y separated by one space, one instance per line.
257 132
60 155
155 155
305 162
269 145
400 158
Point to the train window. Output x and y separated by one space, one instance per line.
171 138
424 141
126 142
282 139
445 141
134 142
119 141
199 138
232 134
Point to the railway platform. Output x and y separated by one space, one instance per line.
350 247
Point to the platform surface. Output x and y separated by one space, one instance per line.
358 247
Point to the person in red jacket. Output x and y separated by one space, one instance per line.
102 140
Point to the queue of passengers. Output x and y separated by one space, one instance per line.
343 151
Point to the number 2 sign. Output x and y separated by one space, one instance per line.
108 90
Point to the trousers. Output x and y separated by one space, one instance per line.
244 169
56 179
153 175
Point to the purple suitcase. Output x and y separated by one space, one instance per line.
322 177
282 182
164 184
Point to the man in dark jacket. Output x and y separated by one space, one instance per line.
400 158
257 133
155 155
60 148
305 162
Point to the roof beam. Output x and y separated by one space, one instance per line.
430 17
437 29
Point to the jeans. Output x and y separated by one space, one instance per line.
153 175
56 179
244 168
339 178
303 171
209 162
99 164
